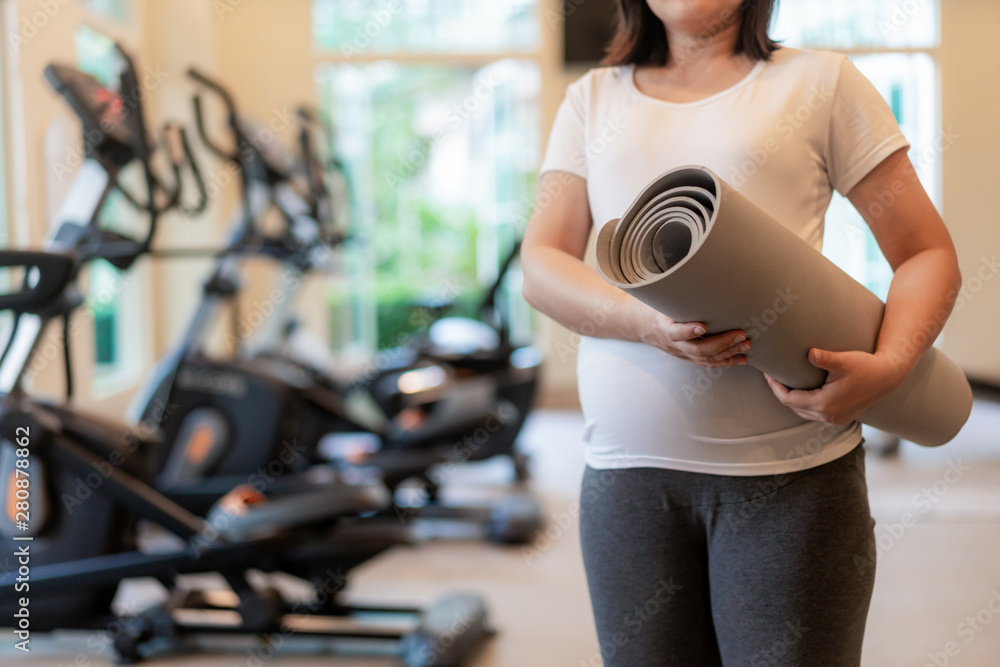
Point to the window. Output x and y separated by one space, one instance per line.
112 9
351 27
893 44
436 122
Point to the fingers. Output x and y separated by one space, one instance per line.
813 405
827 360
682 331
796 399
717 349
781 392
687 340
728 362
731 350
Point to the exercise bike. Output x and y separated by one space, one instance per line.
262 418
477 349
80 484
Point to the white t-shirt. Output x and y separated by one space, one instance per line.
788 134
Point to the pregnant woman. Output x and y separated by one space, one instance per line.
724 517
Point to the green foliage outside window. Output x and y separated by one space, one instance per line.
441 162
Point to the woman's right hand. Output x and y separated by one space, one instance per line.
559 284
687 340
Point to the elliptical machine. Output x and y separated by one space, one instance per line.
263 418
82 483
477 350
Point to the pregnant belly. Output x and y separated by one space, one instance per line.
641 392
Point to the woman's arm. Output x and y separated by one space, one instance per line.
925 282
559 284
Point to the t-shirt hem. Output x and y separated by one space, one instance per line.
556 167
828 453
870 161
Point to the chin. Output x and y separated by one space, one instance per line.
695 16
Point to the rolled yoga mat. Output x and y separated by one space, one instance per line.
695 249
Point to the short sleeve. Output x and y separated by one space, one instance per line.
566 149
863 130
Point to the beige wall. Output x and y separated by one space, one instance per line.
178 34
970 91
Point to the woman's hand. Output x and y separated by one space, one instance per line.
688 341
854 382
925 279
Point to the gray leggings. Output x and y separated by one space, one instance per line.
701 570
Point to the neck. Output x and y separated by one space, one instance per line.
695 51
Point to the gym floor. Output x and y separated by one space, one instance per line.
937 573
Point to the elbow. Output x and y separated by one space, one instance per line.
955 275
527 293
529 288
529 283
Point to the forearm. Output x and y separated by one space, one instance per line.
574 295
559 284
920 299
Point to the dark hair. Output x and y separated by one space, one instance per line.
642 40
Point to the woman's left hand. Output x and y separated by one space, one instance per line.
854 381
